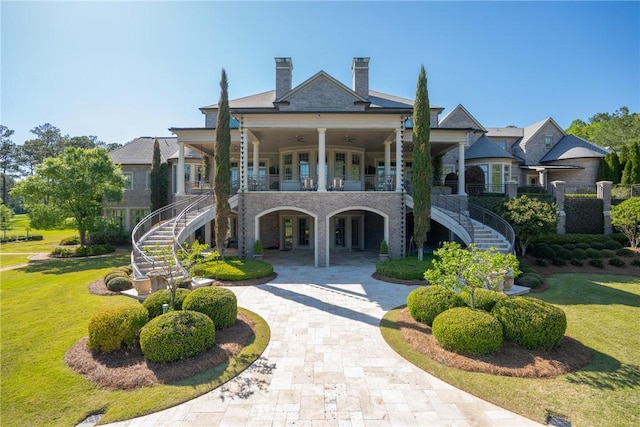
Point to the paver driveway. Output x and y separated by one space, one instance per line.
328 365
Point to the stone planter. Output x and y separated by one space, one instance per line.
383 257
142 285
158 283
508 283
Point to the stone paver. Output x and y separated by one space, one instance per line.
328 365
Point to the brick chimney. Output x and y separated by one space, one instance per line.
360 72
284 72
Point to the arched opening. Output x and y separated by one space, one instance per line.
354 234
289 235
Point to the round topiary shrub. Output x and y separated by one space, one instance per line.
114 273
220 304
177 335
464 330
112 329
484 299
531 323
636 262
565 254
426 302
624 252
612 245
596 263
597 246
558 262
579 253
153 303
593 253
577 262
544 251
529 280
607 253
556 247
569 246
583 245
541 262
119 284
616 262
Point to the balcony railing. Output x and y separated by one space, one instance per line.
334 183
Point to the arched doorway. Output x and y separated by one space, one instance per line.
353 233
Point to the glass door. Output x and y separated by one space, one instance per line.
288 234
340 232
303 232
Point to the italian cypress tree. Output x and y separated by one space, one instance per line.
158 179
422 174
614 167
222 179
604 171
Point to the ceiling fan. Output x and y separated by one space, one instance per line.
348 138
297 138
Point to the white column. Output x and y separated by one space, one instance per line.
322 160
399 160
387 159
256 161
180 171
461 167
244 161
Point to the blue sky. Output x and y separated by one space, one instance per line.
120 70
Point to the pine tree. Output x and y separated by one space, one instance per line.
222 166
422 174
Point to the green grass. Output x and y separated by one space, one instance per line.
46 308
9 260
51 238
405 268
233 268
602 312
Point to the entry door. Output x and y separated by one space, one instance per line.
303 232
288 233
340 233
355 232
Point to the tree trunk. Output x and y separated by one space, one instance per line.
420 254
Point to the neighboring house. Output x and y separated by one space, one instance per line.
328 168
532 156
134 159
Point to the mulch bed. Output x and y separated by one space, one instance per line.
127 370
511 360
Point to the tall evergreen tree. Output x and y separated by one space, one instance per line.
422 174
222 177
158 178
631 173
614 167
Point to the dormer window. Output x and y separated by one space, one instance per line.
548 141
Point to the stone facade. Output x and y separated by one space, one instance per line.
322 94
535 147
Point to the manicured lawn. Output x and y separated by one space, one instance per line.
51 238
9 260
233 268
45 309
602 312
408 268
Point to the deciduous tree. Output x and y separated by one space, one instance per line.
8 158
422 174
626 218
72 185
530 218
222 187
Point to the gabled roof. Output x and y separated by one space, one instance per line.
318 76
140 151
507 132
572 147
532 130
259 100
460 110
485 148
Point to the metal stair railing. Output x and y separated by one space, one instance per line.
203 203
457 208
495 222
147 224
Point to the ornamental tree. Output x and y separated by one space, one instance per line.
72 185
626 218
530 218
471 268
158 179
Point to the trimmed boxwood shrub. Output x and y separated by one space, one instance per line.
112 329
219 304
484 299
426 302
595 262
545 251
153 303
565 254
624 252
569 246
177 335
579 253
68 241
529 280
559 262
607 253
616 262
531 323
636 262
597 245
114 273
556 247
577 262
582 245
593 253
541 262
119 284
464 330
612 244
